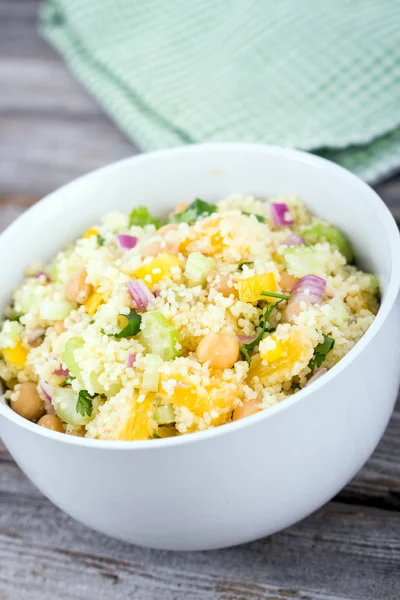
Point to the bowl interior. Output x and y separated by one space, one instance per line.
162 179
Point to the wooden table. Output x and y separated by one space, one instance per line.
51 132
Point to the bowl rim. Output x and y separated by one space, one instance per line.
384 310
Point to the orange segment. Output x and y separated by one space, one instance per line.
139 423
216 399
281 359
159 268
93 302
16 356
250 289
90 232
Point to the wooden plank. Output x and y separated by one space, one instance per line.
45 554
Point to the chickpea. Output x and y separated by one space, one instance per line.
224 285
294 307
59 327
287 281
51 422
28 403
222 351
248 408
166 229
181 207
76 288
155 248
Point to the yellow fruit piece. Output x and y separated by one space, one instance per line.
215 399
139 423
16 356
159 268
90 232
282 361
93 302
250 289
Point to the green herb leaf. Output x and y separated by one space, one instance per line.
141 216
246 348
295 386
133 326
259 218
100 240
84 405
320 352
276 295
156 436
198 208
16 318
240 267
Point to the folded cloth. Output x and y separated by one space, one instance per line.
320 76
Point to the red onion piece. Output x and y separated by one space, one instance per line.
293 239
311 288
46 389
126 242
61 372
280 214
140 293
246 339
130 360
43 274
318 373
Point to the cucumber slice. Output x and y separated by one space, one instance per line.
159 336
56 311
340 313
319 232
163 415
303 260
64 402
198 267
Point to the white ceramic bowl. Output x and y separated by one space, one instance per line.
246 479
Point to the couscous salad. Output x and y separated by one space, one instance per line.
142 329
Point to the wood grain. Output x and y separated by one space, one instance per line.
44 554
51 131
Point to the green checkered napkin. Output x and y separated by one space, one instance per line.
321 75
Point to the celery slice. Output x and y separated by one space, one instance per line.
152 365
67 356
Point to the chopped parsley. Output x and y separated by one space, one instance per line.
295 386
141 216
240 267
131 328
100 240
259 218
68 380
84 405
320 352
246 348
198 208
277 295
156 436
